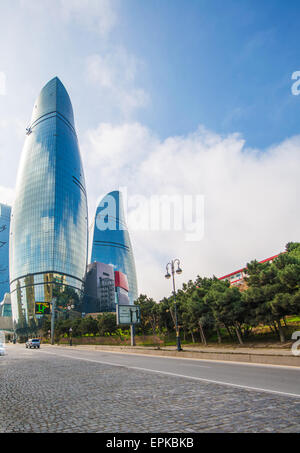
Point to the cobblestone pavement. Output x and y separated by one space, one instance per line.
48 393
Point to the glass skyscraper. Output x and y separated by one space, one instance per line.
5 212
110 241
99 294
49 232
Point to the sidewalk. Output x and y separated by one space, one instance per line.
269 356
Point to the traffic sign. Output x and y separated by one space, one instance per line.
42 308
128 314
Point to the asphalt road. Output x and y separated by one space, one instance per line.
270 378
58 389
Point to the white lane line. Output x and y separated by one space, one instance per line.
109 363
230 384
266 365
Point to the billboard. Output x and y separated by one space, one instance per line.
128 314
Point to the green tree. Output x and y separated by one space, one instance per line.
107 324
149 314
273 289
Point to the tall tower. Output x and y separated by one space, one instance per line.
5 212
111 242
48 241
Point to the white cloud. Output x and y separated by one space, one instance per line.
115 73
251 196
7 195
97 15
118 146
2 84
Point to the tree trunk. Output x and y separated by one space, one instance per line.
202 334
218 334
229 333
193 339
240 330
275 327
154 329
281 333
238 334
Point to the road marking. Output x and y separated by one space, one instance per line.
266 365
216 361
230 384
109 363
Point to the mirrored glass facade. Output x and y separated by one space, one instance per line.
48 239
5 212
110 241
5 307
99 295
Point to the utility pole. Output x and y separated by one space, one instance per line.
53 319
132 330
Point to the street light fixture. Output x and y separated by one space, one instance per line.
168 275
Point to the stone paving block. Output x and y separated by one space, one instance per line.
41 393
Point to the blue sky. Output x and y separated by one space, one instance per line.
182 96
225 64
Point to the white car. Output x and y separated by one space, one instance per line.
33 343
2 349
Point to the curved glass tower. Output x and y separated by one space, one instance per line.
48 241
111 242
5 212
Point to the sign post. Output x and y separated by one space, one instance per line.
129 314
132 334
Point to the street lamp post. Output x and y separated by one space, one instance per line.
70 331
168 275
69 308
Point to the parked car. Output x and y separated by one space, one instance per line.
2 349
33 343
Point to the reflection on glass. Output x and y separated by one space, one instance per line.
48 242
5 212
111 242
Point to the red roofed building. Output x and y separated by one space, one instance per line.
237 278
